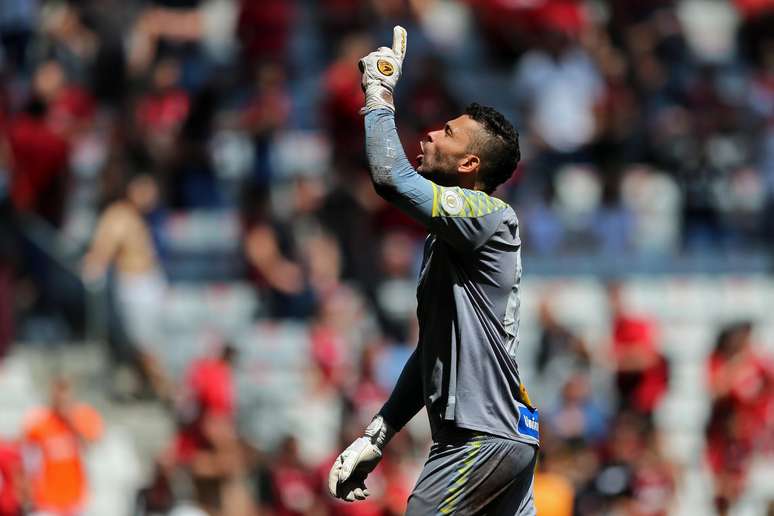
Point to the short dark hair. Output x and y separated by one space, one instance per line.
499 152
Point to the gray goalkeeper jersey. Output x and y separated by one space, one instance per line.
468 298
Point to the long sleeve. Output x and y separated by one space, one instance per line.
464 218
406 398
393 176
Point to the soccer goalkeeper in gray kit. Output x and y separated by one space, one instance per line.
464 371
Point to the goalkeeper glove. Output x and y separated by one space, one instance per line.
347 477
381 71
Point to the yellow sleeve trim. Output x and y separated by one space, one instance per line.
434 212
473 203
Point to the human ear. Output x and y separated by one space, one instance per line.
469 164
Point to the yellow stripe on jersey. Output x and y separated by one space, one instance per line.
459 202
435 199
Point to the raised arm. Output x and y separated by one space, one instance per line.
393 176
464 218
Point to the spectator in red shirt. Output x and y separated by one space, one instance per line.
11 478
207 441
640 369
8 251
39 160
161 112
294 486
263 28
70 107
741 379
209 394
742 387
343 98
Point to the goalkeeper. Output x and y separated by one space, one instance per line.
464 371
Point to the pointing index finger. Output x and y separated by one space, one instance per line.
399 41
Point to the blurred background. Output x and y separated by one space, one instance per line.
202 300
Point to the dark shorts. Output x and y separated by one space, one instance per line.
476 474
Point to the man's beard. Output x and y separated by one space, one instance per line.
439 176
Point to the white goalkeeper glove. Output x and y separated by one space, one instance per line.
347 477
381 71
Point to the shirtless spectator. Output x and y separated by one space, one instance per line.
123 240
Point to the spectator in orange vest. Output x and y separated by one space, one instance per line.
53 443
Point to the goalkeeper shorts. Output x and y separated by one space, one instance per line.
472 473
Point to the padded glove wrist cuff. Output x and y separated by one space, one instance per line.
377 96
379 432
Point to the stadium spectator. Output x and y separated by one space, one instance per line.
17 32
190 180
264 29
295 487
554 493
655 479
273 258
69 39
578 417
329 352
640 368
53 443
12 482
165 25
39 159
70 107
161 111
610 487
395 290
158 495
559 348
122 240
366 394
342 101
558 81
208 393
341 17
8 253
266 112
207 442
742 386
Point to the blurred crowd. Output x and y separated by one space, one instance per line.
647 130
607 454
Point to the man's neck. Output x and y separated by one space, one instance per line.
469 182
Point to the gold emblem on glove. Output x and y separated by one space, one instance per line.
385 67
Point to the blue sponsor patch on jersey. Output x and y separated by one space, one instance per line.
529 422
